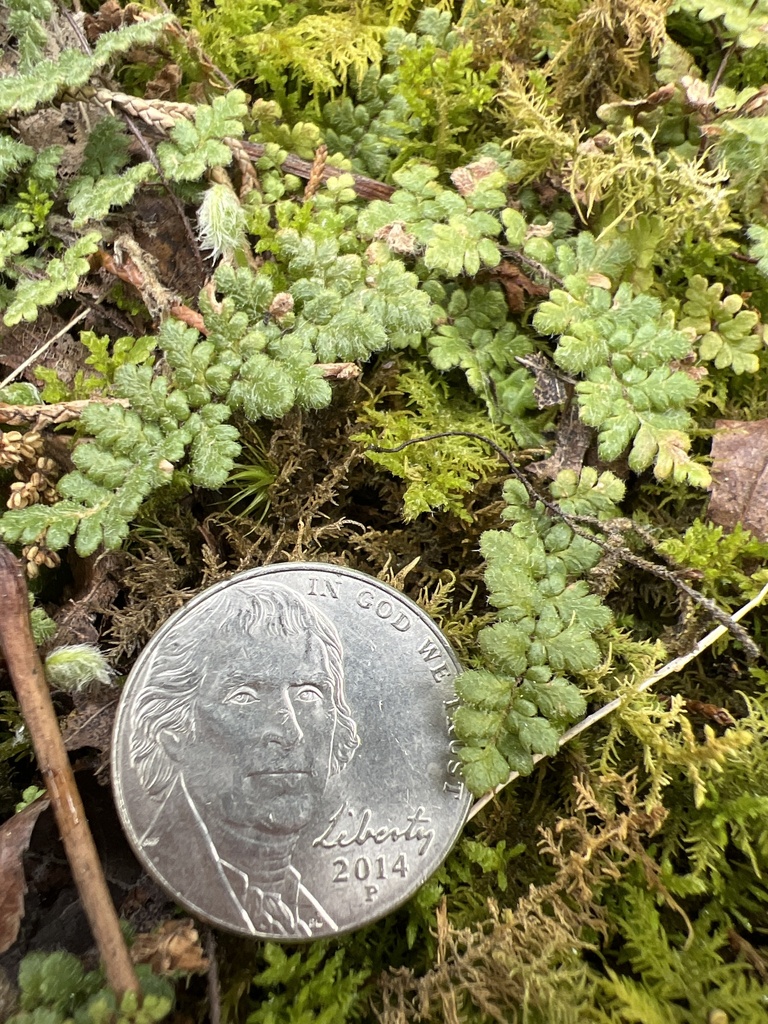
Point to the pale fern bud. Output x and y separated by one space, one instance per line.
221 221
79 668
281 305
397 238
466 179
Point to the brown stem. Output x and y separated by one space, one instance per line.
366 188
721 69
34 699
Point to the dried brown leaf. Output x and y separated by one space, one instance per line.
165 84
740 476
518 287
599 281
174 946
15 835
552 387
613 113
96 585
573 441
713 712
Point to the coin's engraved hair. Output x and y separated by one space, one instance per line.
245 612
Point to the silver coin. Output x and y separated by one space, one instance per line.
283 762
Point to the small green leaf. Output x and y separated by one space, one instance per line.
472 725
483 769
484 690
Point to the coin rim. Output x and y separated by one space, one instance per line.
117 789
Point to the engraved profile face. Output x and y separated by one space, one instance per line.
259 753
247 715
238 766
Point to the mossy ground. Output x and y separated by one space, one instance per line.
552 203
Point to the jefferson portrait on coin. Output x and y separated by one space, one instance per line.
235 739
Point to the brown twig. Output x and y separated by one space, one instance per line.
721 69
746 951
44 347
163 114
34 699
366 188
744 259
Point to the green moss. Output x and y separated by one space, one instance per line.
572 266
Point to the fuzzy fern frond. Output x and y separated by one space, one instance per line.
196 146
221 221
20 94
13 155
61 276
93 198
524 697
27 22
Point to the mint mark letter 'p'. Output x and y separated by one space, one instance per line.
282 759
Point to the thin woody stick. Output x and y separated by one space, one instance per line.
44 347
34 699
